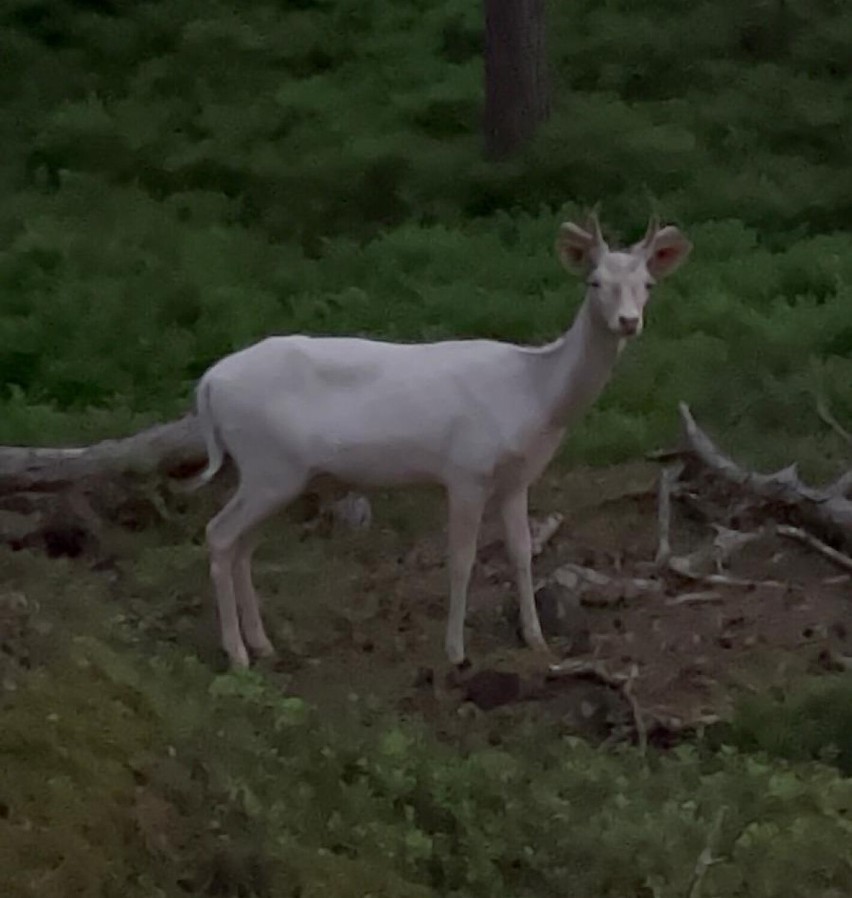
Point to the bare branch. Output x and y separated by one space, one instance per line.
598 590
665 455
802 536
828 418
727 542
706 859
572 667
638 716
827 509
621 682
542 532
843 485
705 597
683 567
668 477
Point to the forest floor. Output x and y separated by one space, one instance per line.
363 614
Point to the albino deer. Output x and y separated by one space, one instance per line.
478 417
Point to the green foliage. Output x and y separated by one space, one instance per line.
813 722
127 769
183 179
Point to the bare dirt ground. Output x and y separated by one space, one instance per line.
688 661
363 615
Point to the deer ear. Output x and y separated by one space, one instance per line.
576 248
666 251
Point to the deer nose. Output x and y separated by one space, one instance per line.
629 324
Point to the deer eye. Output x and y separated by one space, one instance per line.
649 285
594 283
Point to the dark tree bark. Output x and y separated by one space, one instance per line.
517 88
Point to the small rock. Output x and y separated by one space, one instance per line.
563 617
352 511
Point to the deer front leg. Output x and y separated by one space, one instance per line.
465 516
516 525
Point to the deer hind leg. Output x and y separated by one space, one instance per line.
248 604
516 526
229 536
465 515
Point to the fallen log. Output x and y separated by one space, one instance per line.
174 449
163 448
828 510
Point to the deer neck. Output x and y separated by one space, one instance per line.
573 371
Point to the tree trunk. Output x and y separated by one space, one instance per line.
517 90
167 448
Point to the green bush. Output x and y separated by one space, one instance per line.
124 774
181 179
811 722
193 177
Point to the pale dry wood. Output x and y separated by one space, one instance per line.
683 567
828 509
636 710
597 590
621 682
807 539
706 859
826 416
668 478
703 597
728 541
160 448
541 532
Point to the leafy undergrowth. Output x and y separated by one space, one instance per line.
130 768
812 723
195 176
181 179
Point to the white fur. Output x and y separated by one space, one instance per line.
478 417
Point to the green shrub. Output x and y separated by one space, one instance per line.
811 722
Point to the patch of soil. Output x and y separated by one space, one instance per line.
689 660
368 619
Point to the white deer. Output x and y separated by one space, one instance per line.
478 417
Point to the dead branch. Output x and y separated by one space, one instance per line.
827 509
621 682
828 418
668 477
727 542
683 567
665 455
843 485
705 565
636 710
706 858
802 536
541 532
705 597
597 590
595 670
